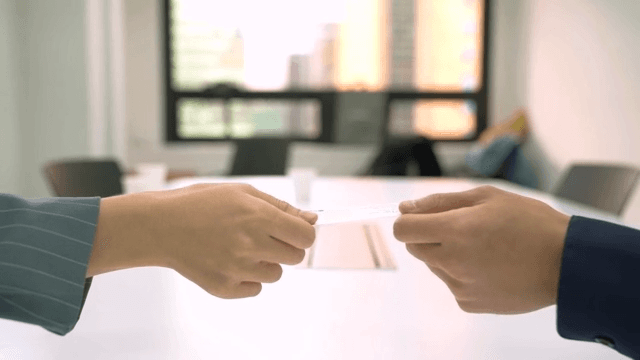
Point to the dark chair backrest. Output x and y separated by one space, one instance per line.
84 178
261 157
394 159
602 186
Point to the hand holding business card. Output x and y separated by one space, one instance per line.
350 238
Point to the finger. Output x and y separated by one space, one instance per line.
452 283
428 253
246 289
290 229
284 206
435 256
427 228
264 272
309 216
276 251
286 224
471 306
443 202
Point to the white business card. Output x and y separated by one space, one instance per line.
363 213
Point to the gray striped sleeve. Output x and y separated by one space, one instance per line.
45 245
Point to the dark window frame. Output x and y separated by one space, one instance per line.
327 98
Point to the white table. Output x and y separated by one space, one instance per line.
153 313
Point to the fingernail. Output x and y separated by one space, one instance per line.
309 216
407 206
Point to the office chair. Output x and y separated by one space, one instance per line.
394 159
604 187
84 178
260 157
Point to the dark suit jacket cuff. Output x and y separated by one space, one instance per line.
599 292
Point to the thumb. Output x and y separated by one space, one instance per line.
441 202
282 205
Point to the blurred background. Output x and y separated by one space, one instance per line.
350 86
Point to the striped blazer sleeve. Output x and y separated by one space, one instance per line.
45 245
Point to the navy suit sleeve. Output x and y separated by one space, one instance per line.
599 288
45 245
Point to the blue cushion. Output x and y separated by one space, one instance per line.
503 158
488 159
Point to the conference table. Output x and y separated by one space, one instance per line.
402 312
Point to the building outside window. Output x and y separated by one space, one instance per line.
408 46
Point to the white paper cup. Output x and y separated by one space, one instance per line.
153 174
134 184
302 181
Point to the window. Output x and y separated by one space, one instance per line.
254 68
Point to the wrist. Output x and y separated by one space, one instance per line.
124 235
559 229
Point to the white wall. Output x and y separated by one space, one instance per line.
507 75
9 149
52 87
583 81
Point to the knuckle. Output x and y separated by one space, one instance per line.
438 271
307 241
461 270
277 273
218 294
262 211
245 246
445 259
198 187
434 200
257 289
399 228
434 269
413 250
452 261
416 249
220 287
234 269
245 187
456 287
232 294
240 189
467 306
464 224
486 189
284 206
227 295
298 257
312 233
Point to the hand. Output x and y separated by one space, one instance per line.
497 252
227 238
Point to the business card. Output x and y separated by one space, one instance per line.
363 213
